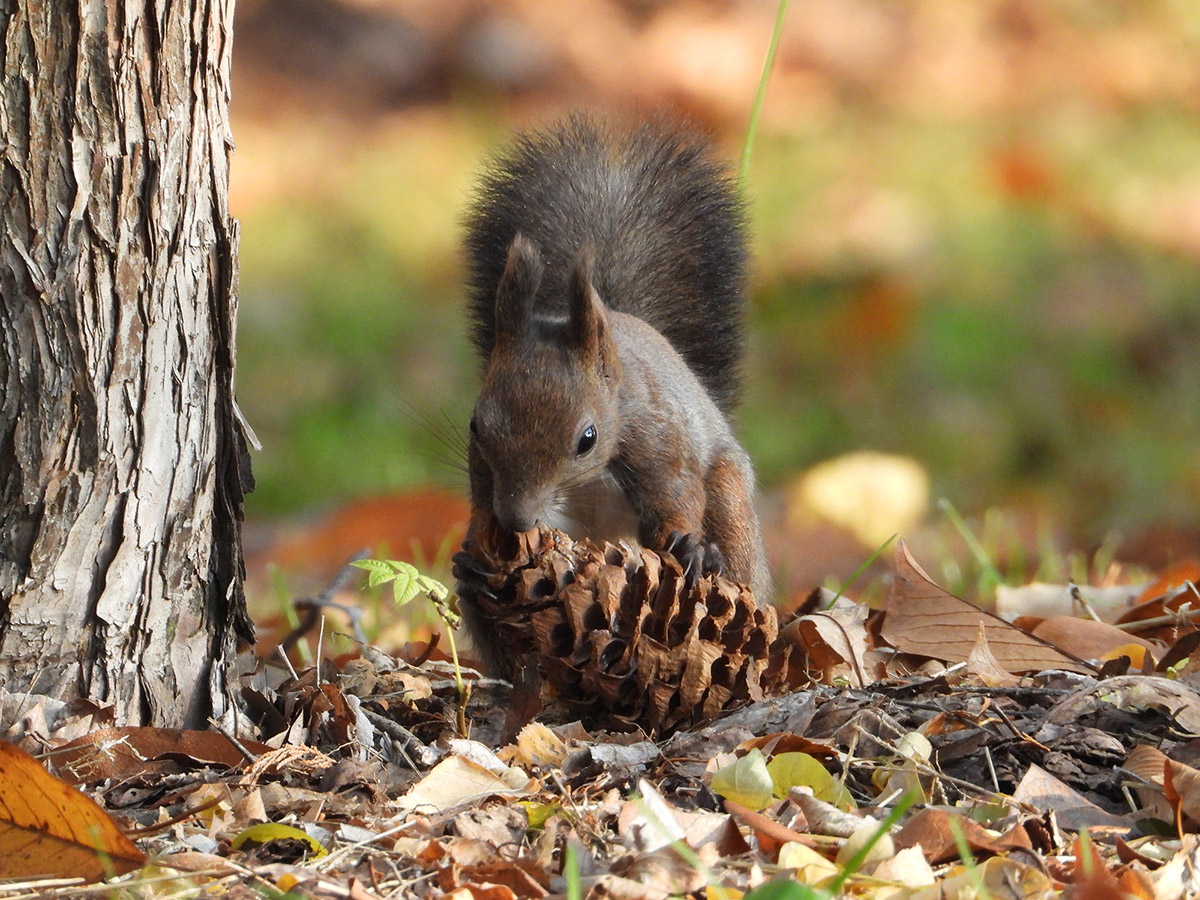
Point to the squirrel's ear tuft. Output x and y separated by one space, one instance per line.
588 322
520 282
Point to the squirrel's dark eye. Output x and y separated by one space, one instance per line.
587 440
474 428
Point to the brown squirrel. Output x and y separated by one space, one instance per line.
607 290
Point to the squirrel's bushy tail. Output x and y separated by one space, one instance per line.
660 214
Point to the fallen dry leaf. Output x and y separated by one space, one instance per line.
908 867
771 834
48 828
1181 786
997 878
982 664
1039 789
931 828
1133 692
1176 576
537 745
453 782
1180 877
927 620
1089 639
124 752
1148 765
834 641
1094 880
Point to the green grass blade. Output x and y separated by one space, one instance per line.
761 94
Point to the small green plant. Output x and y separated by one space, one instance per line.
407 584
761 94
786 889
990 576
910 799
571 873
857 572
968 860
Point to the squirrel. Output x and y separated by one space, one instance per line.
606 291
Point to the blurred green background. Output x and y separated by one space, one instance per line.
976 232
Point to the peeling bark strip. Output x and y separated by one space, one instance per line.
122 463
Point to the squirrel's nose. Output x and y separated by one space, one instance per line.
517 524
516 516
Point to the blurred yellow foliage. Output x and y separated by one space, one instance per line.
873 495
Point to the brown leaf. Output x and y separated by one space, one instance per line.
931 829
834 640
119 753
536 745
1093 879
770 833
1181 786
790 742
1132 692
1146 762
982 664
194 861
1089 639
48 828
502 878
927 620
1073 811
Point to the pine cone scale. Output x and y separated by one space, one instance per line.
616 631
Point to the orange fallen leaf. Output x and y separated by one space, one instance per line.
48 828
770 833
1094 880
927 620
833 641
1181 786
1176 576
789 742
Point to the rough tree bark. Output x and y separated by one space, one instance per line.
122 461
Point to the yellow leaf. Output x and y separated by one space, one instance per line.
270 831
537 745
286 882
789 770
48 828
539 813
747 781
810 867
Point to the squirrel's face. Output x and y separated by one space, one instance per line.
546 421
544 425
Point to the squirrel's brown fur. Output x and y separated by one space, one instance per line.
607 276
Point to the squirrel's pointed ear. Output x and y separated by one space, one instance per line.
588 323
520 282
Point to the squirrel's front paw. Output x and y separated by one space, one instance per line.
696 557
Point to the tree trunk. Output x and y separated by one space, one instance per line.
122 460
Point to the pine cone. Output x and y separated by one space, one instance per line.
616 632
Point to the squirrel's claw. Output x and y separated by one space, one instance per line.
467 570
697 557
